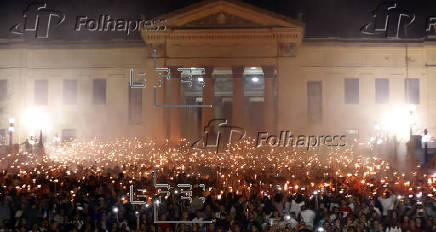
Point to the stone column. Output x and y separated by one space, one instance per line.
208 97
174 98
268 95
238 96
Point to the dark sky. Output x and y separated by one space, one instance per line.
324 18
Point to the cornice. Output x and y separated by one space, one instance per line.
280 35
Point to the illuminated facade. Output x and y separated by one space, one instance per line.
260 74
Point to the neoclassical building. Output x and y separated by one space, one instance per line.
260 73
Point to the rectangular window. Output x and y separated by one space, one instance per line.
68 134
99 91
70 92
41 92
351 91
3 89
412 90
381 90
135 105
314 101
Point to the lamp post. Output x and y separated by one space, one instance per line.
115 210
11 130
412 122
411 125
425 145
40 144
137 220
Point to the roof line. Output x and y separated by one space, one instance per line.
369 40
236 2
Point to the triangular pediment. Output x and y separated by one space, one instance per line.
226 14
221 20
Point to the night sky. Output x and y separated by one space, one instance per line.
323 18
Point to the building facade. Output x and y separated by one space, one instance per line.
259 73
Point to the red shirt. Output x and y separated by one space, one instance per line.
345 209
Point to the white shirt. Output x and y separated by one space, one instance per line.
393 229
296 207
286 207
308 216
388 204
351 205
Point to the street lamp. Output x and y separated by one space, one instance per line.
412 119
255 79
137 220
425 139
115 210
412 122
11 130
36 120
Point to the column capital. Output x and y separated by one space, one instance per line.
269 71
237 71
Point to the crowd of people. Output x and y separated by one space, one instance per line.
68 190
